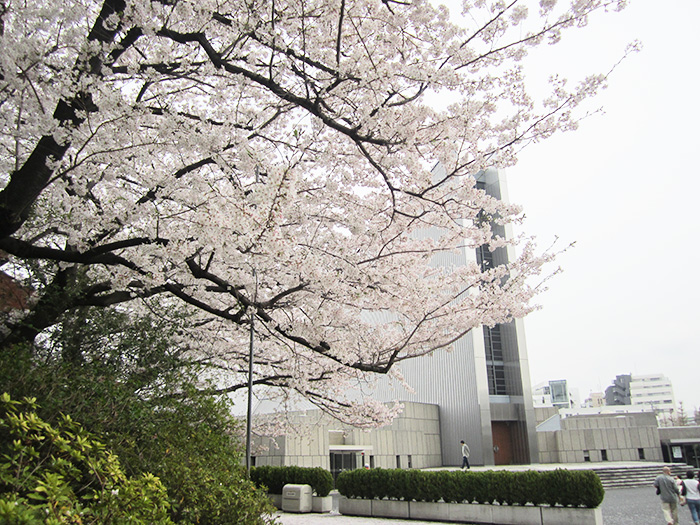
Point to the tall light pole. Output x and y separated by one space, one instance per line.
250 378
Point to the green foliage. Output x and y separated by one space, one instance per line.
275 478
552 486
62 474
586 488
524 489
559 487
127 381
452 491
481 486
200 465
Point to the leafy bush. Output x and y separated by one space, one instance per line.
201 466
62 474
558 487
587 488
451 486
127 381
524 488
275 478
552 486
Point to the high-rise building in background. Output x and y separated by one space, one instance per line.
653 390
619 392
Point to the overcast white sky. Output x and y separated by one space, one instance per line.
625 188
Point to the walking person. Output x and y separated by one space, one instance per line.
465 454
668 491
691 491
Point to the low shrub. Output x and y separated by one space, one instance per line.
62 474
275 478
588 489
567 488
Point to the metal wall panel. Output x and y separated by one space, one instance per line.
457 380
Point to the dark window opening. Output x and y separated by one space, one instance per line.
495 369
341 461
493 343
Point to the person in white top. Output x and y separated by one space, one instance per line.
692 496
465 454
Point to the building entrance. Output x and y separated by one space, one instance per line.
681 451
502 443
341 461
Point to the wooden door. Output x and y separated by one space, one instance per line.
502 443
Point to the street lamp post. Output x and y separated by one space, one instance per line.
250 379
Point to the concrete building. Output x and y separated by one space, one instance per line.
654 390
619 392
480 388
580 436
594 399
681 444
483 385
411 441
555 394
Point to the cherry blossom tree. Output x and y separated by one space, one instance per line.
270 161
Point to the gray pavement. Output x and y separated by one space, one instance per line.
633 506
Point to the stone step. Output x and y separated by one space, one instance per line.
635 476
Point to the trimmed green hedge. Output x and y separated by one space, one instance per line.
275 478
568 488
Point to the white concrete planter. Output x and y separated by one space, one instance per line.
527 515
276 499
321 504
389 508
318 503
428 510
554 516
354 506
470 513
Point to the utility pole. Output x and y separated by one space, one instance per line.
250 378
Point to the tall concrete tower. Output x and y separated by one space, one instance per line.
482 386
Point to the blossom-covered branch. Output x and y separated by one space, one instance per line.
262 162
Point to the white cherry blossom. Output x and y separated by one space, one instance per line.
238 158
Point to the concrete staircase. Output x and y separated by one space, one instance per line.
617 477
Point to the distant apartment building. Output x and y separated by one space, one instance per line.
619 392
553 394
594 400
652 390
